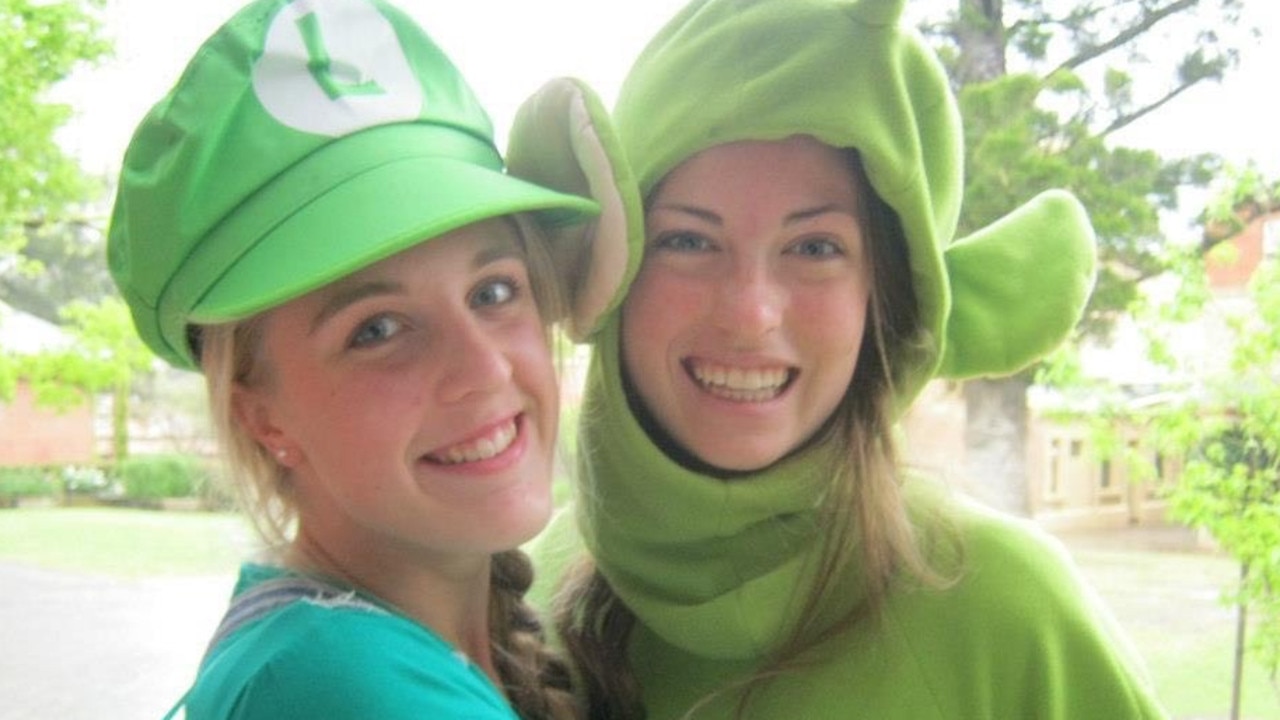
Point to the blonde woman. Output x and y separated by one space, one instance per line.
316 219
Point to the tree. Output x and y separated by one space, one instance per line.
61 263
104 355
1224 424
1230 486
41 43
1043 86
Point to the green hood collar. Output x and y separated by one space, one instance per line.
710 565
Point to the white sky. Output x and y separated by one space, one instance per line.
507 48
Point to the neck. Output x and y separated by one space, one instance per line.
449 597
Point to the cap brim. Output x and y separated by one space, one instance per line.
369 217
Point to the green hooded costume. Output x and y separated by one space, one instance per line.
712 569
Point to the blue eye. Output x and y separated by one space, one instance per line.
495 292
816 248
682 241
375 330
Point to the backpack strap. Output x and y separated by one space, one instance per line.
266 597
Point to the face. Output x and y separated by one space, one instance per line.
416 400
741 331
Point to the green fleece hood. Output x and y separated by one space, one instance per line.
848 73
709 565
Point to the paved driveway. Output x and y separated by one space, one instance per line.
81 647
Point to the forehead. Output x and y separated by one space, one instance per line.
763 178
800 163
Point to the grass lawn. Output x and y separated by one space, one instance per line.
1168 604
122 542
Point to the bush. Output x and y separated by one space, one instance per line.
152 477
16 482
84 480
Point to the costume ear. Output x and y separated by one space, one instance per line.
1018 287
562 138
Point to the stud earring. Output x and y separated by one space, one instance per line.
281 454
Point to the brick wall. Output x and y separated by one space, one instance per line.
31 435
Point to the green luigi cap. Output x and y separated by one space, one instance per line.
305 140
847 73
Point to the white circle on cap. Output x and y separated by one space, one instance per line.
332 67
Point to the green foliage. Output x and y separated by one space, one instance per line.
41 43
104 332
18 482
60 263
1231 438
1244 193
1232 488
152 477
1223 426
1024 135
84 480
105 355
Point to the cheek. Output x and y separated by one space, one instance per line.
658 307
832 324
532 361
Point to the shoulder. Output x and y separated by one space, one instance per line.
998 549
1011 574
328 660
984 550
1018 608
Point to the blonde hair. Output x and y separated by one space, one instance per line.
536 681
864 511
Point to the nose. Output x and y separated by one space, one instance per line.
749 300
474 362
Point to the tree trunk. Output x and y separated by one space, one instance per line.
120 421
995 437
1237 664
996 409
981 37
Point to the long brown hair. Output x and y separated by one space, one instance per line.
536 681
864 512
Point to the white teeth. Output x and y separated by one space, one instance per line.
481 449
750 385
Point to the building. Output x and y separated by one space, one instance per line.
1072 484
31 434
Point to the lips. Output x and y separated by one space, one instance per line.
747 385
489 445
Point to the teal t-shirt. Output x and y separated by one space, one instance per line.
336 659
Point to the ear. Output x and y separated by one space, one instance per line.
252 408
562 138
1019 286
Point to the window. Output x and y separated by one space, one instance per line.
1053 478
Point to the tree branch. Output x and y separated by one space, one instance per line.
1124 36
1126 119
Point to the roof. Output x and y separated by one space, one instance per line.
25 334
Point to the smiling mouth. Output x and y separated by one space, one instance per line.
745 385
490 445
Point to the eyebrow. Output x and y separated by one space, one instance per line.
716 219
347 296
343 297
